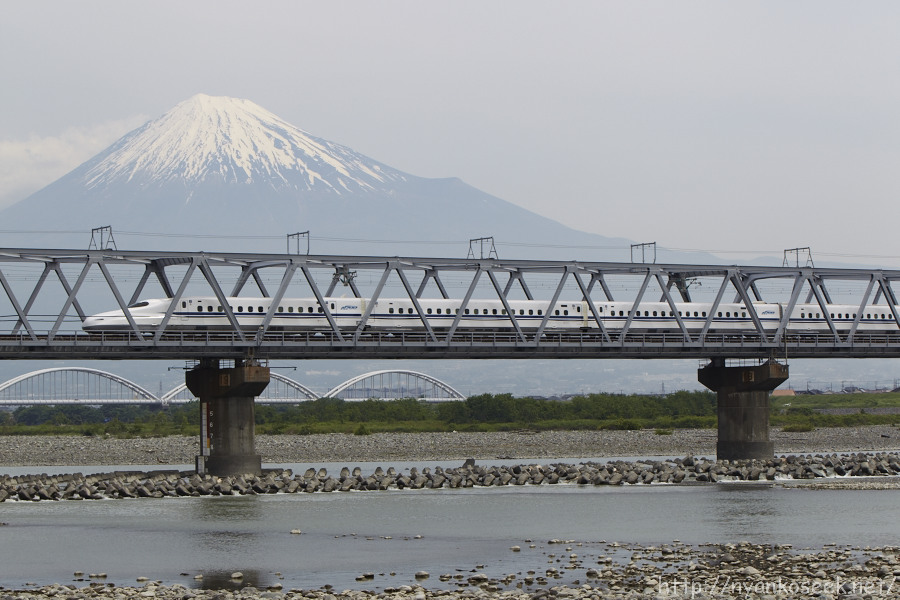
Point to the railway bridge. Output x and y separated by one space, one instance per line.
49 293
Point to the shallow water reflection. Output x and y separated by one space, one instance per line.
405 531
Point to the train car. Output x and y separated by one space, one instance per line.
305 314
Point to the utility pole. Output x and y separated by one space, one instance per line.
482 243
644 249
102 238
296 238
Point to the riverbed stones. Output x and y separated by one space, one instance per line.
873 470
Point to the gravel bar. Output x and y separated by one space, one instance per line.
18 451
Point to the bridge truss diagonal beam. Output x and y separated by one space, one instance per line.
44 322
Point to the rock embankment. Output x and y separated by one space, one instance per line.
574 570
687 470
381 447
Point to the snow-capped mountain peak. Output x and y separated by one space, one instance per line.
217 139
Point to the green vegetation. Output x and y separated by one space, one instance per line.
824 401
485 412
123 421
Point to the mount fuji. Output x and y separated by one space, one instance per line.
224 167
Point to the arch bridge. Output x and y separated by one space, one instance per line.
87 386
393 385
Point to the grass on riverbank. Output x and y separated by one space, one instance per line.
485 413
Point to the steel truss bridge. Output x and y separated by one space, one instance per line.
48 293
87 386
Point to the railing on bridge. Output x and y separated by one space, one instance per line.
48 293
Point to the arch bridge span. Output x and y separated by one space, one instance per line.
87 386
395 384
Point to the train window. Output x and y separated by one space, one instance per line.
703 314
240 309
391 310
503 311
290 309
530 312
456 310
199 309
556 312
720 314
495 311
646 313
428 311
818 316
540 312
727 314
332 306
409 310
622 313
476 311
209 308
220 309
438 311
654 313
467 311
309 309
280 309
565 312
184 305
743 314
320 309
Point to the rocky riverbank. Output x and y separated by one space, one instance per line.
686 470
382 447
581 570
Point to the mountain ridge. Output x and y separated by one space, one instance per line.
226 167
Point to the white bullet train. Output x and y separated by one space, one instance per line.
305 314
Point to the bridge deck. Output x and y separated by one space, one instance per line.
418 345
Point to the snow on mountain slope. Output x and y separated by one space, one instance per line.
230 140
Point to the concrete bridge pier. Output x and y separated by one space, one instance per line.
227 414
743 406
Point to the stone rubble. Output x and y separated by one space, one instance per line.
435 446
576 570
687 470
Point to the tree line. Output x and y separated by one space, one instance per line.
484 411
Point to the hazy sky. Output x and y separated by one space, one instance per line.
732 127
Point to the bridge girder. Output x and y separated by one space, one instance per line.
33 330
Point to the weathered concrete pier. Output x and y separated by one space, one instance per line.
227 412
743 406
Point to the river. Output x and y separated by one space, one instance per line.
394 534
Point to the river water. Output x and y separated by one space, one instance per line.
396 533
